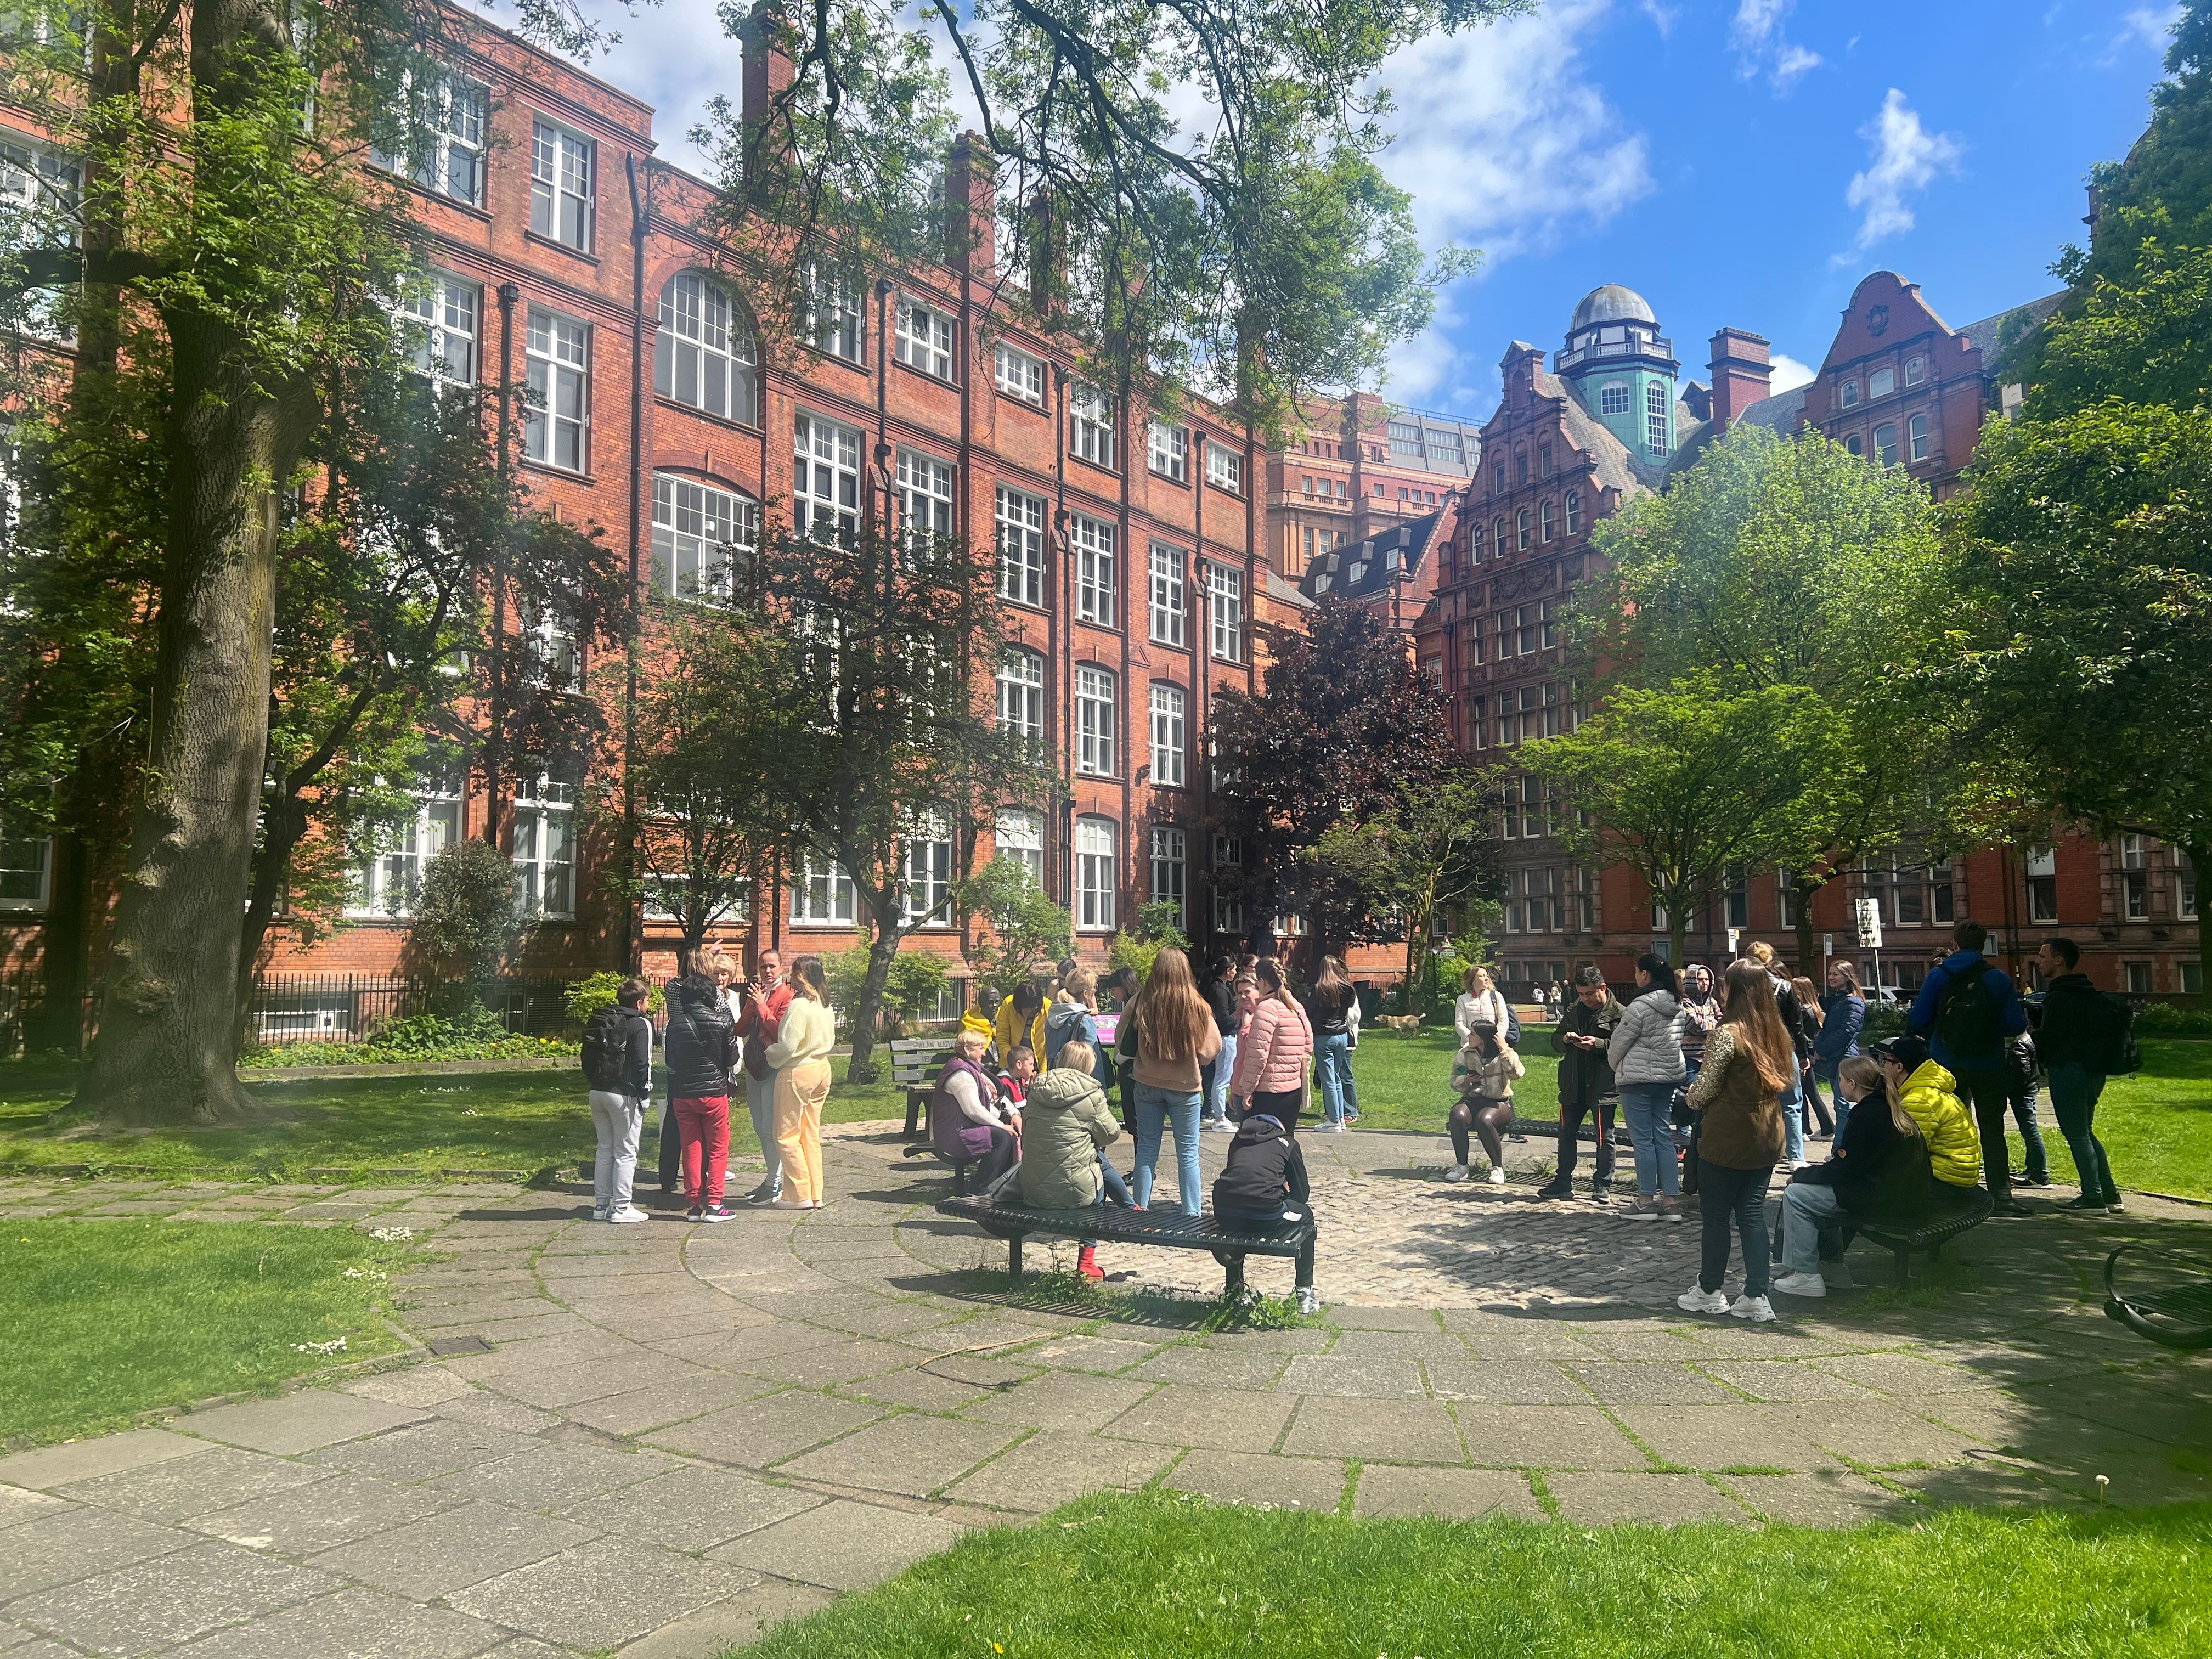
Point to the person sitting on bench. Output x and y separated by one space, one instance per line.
965 1119
1927 1093
1482 1075
1064 1163
1264 1180
1877 1173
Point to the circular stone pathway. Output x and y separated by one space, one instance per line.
661 1439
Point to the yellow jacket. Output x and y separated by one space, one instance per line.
1954 1146
1010 1036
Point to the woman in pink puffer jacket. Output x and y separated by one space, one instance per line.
1272 1053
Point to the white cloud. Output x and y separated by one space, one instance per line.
1790 373
1506 145
2145 25
1756 34
1906 158
1662 17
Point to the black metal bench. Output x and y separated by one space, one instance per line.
1950 1211
1229 1242
2168 1298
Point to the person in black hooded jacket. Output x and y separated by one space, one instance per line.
1264 1180
701 1050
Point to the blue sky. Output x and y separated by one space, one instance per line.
1741 162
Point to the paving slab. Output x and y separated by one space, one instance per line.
189 1486
1395 1431
1091 1354
1211 1367
1648 1384
691 1508
353 1624
1224 1419
322 1516
1353 1379
914 1456
418 1385
924 1390
1352 1317
1544 1436
841 1361
1821 1497
1648 1499
487 1409
1057 1466
81 1460
168 1600
1448 1494
1505 1382
432 1558
1879 1435
20 1504
1902 1374
760 1432
597 1595
1737 1436
842 1545
296 1423
76 1543
1314 1485
738 1622
672 1401
423 1451
551 1477
1787 1380
1060 1399
1986 1485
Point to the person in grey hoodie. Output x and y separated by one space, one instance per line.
1646 1052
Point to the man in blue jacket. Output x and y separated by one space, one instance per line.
1969 1010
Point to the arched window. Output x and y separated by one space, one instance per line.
1500 536
704 355
1521 528
1574 511
1885 443
1547 514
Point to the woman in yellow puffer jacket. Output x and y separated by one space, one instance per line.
1930 1095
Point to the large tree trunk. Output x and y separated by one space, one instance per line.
861 1068
2200 861
1808 957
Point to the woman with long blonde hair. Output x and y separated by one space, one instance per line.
1170 1032
1749 1061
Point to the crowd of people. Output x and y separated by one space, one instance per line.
1714 1082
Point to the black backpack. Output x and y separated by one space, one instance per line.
1512 1029
1967 1021
2122 1054
606 1044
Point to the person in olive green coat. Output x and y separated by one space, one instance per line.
1066 1122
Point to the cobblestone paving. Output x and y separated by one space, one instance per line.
670 1438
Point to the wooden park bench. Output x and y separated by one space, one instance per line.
2163 1294
916 1062
1950 1211
1228 1242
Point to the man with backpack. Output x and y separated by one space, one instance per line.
1969 1010
618 1070
2084 1038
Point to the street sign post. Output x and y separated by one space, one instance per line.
1867 913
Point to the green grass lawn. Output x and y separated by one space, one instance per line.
108 1318
1151 1574
2157 1127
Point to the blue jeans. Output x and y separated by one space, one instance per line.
1792 1116
1156 1107
1339 1097
1807 1211
1649 1110
2074 1093
1824 1071
1217 1099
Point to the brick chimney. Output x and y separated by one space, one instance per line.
766 39
1742 372
971 190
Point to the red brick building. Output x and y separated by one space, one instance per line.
1570 446
1130 548
1357 467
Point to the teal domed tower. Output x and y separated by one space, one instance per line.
1622 370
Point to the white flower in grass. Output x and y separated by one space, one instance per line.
337 1345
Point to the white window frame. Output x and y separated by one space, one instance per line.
1605 402
825 491
1228 909
1847 395
1021 521
1885 454
1170 869
1097 598
558 356
551 655
1098 712
1021 694
1168 609
456 133
1097 874
564 169
1656 422
822 894
701 537
1170 727
1225 468
926 882
1167 450
27 872
704 337
926 338
832 323
924 496
448 311
1018 834
1017 374
1090 424
1224 607
545 855
1916 437
1915 370
1881 383
390 876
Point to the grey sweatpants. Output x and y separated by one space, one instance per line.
760 1100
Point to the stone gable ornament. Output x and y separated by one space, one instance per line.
1878 321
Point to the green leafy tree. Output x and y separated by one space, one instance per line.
1683 781
464 921
1159 927
1023 926
912 986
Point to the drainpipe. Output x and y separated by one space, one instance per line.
634 910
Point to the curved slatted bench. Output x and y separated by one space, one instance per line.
1950 1211
2168 1298
1228 1242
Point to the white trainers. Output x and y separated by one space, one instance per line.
1756 1308
626 1216
1696 1299
1801 1284
1222 1124
1644 1209
1458 1172
1498 1175
1308 1300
